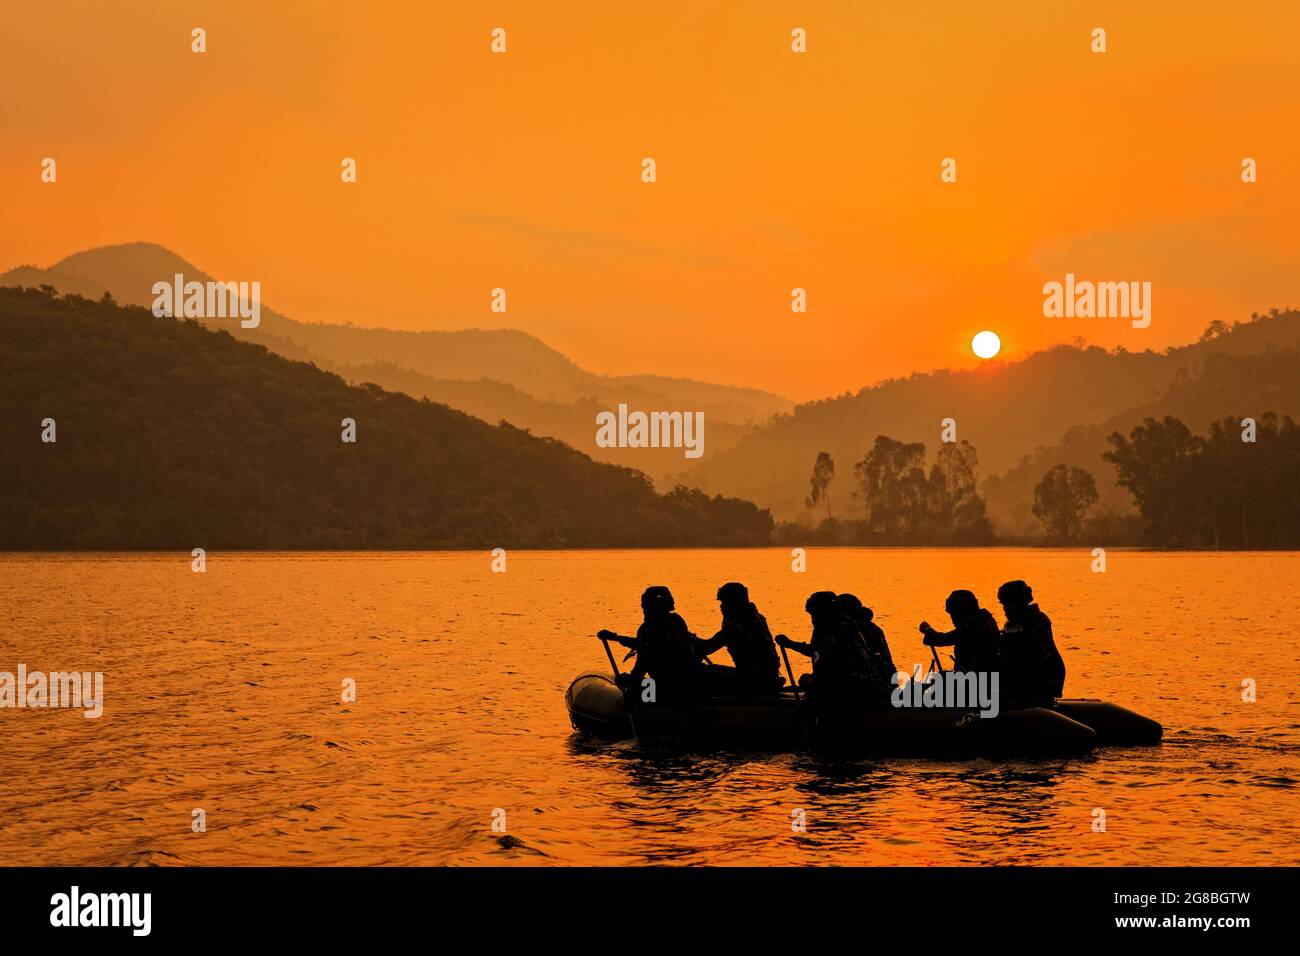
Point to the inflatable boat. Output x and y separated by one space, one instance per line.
1114 725
598 709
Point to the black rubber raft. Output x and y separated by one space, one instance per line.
598 709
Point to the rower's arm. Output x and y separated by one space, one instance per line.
717 641
805 649
618 638
935 638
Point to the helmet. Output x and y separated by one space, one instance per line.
1015 592
961 602
850 603
820 602
657 597
855 609
733 593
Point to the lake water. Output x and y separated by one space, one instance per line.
223 694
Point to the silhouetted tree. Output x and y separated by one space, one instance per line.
890 482
1157 465
1062 498
823 474
904 506
1214 330
1249 489
953 505
1217 492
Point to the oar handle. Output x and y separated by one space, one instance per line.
789 671
608 653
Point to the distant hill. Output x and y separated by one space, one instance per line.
1224 384
174 436
1022 417
430 362
1006 410
129 271
571 422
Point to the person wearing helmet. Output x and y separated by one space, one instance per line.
745 635
1035 670
664 649
873 639
841 668
974 637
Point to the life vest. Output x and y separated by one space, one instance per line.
749 641
664 650
976 645
1036 671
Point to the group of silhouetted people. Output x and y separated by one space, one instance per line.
851 663
1023 651
673 657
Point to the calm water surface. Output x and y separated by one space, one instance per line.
223 693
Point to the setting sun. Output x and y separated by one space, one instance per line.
986 344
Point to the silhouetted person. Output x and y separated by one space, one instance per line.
974 637
664 650
745 635
873 639
1034 668
840 667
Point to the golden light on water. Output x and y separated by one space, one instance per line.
986 344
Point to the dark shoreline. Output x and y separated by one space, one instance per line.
1128 548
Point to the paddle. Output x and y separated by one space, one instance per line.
789 671
608 653
927 631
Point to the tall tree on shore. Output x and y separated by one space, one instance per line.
955 512
1250 497
890 482
823 474
1158 465
1235 488
1062 498
904 505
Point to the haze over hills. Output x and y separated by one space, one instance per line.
1006 410
129 271
570 422
1022 417
494 374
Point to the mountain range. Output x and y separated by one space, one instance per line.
1023 417
493 374
122 430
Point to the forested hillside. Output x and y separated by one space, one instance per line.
171 435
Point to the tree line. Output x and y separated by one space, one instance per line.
1234 488
900 501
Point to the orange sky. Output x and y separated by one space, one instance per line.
775 170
